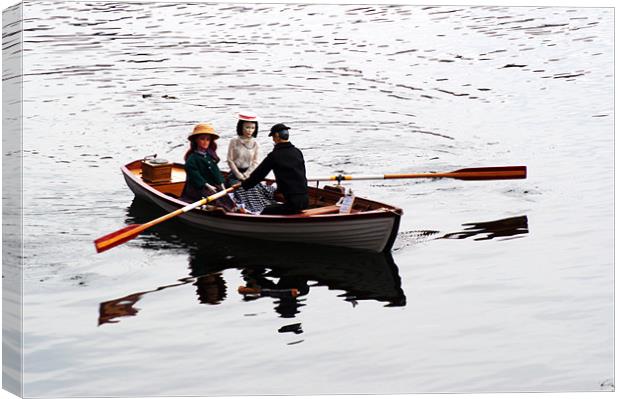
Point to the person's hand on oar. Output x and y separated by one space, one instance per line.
487 173
130 232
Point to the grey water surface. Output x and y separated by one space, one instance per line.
492 286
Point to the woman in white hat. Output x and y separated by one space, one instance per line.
243 150
243 158
203 176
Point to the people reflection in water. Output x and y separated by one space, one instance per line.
287 289
368 276
211 289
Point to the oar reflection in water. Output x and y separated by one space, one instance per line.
210 289
282 271
509 228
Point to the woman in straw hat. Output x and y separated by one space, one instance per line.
203 176
243 158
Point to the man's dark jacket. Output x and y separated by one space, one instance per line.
287 163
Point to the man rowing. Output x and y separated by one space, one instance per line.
289 168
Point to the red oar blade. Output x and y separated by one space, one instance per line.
118 237
490 173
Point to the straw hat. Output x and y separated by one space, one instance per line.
203 128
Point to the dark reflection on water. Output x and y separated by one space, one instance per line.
110 310
508 228
285 272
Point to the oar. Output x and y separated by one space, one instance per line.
130 232
292 292
488 173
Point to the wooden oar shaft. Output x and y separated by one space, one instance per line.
488 173
125 234
512 174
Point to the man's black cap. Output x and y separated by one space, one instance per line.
277 128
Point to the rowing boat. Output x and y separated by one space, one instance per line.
370 225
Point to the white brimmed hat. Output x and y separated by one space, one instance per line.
248 116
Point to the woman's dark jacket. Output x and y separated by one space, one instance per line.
200 168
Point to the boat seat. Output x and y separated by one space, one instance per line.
320 211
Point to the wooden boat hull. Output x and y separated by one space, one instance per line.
372 230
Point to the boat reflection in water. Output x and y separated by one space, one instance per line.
285 272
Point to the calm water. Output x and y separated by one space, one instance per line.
491 286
